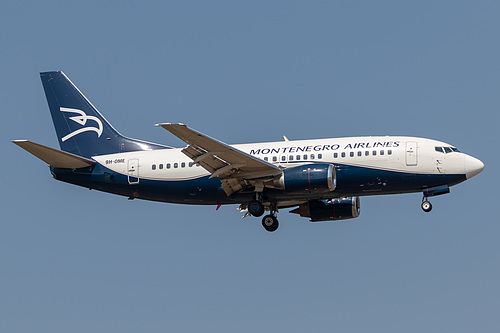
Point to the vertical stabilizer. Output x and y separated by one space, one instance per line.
80 128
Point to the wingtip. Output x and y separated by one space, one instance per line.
18 141
169 124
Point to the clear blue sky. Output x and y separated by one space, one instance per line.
74 260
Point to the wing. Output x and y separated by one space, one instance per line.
234 167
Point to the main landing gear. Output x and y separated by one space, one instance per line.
426 205
255 208
269 222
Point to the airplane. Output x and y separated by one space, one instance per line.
320 179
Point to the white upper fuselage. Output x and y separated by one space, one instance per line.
390 153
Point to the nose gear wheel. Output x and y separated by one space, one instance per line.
426 205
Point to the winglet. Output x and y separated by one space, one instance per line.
54 157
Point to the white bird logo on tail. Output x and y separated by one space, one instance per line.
82 120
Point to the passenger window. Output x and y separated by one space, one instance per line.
283 158
320 156
266 158
335 155
389 152
381 152
359 153
168 165
176 165
305 157
343 154
191 164
374 153
297 157
351 154
312 156
290 158
275 159
153 167
367 153
183 164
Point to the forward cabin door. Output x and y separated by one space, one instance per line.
133 171
411 153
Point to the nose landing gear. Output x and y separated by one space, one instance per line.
431 192
426 205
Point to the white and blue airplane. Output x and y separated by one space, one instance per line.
321 179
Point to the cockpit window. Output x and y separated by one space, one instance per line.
447 150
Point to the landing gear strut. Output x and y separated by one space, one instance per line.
426 205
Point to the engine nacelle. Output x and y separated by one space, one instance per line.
326 210
311 178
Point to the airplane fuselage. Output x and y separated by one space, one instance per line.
363 165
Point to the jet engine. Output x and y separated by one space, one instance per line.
311 178
329 210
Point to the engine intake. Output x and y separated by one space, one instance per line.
311 178
329 210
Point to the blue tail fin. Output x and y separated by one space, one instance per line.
80 128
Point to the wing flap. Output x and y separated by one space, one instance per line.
54 157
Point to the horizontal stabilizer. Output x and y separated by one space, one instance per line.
54 157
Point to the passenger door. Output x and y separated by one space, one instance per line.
133 171
411 153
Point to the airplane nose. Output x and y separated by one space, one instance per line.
473 166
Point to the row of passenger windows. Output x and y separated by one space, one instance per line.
360 153
174 165
274 159
447 150
283 158
294 157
